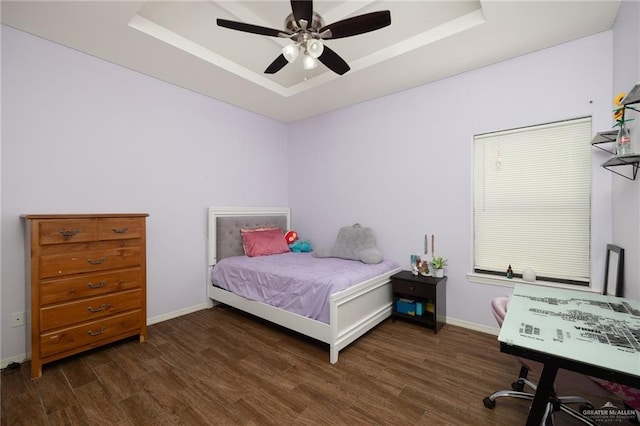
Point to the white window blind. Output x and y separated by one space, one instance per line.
532 191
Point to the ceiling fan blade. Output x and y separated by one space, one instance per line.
302 9
358 25
276 65
333 61
249 28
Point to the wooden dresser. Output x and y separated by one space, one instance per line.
86 281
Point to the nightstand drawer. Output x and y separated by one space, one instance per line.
412 289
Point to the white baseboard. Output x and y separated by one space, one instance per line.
18 358
176 314
473 326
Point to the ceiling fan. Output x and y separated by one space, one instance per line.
306 29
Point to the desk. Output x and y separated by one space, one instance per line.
585 332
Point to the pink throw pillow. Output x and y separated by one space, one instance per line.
262 242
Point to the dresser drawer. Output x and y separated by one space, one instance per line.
412 288
69 313
119 228
67 231
62 290
54 265
90 335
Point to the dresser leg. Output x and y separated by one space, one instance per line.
36 369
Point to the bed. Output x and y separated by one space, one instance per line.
351 312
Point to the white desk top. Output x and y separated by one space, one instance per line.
585 327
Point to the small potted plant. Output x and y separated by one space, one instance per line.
438 263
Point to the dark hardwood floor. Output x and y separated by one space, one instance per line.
219 366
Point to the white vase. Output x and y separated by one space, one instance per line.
529 275
439 273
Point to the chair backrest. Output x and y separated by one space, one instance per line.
499 308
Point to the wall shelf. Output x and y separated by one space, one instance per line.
602 138
633 97
606 141
632 160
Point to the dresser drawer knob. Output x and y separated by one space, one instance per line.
120 230
412 288
97 333
99 285
98 261
69 233
101 308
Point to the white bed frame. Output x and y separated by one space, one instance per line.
352 312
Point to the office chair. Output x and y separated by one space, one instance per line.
556 403
628 395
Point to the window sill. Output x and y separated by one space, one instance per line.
511 282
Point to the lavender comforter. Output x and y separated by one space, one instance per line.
295 282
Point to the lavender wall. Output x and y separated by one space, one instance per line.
80 134
626 193
403 164
83 135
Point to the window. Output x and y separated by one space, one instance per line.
532 191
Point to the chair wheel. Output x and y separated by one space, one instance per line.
517 386
489 403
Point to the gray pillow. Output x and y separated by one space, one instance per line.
353 243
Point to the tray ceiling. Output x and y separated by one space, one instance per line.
179 42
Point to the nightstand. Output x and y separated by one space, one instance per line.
420 299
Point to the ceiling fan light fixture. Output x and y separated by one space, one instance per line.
307 30
290 52
309 62
315 48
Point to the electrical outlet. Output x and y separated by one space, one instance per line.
17 319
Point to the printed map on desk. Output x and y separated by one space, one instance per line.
595 329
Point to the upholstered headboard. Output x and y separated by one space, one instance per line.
225 223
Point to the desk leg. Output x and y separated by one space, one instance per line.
543 391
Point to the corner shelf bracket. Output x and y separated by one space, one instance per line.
627 160
608 137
